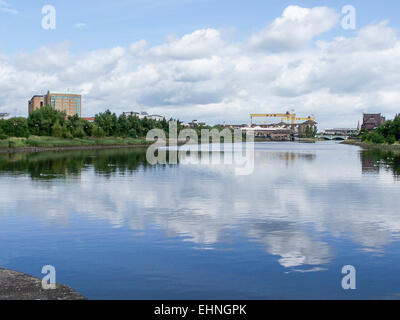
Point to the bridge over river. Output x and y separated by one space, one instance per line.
331 137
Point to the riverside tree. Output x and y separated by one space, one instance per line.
42 120
14 127
47 121
388 132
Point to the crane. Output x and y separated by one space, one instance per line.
284 117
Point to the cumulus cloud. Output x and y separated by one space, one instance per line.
199 44
207 75
295 28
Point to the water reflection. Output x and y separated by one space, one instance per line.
294 246
293 205
375 160
52 165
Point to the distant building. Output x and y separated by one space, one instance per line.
235 126
341 131
69 103
195 124
131 113
301 128
35 103
274 134
155 117
372 120
281 135
142 115
297 128
89 119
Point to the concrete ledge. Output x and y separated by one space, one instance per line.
19 286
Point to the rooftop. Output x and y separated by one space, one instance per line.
64 93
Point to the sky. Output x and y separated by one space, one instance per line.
214 61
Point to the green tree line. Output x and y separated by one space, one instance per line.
386 133
47 121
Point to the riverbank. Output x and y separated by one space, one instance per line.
305 140
40 144
368 145
19 286
308 140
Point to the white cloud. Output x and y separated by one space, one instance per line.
206 76
376 37
5 7
200 43
295 28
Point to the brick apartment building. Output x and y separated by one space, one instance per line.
69 103
372 120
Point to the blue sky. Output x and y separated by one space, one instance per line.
199 58
121 22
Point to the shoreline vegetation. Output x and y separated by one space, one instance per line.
371 145
44 143
47 129
385 137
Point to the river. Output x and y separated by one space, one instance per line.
116 227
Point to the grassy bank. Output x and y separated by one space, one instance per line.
52 142
369 145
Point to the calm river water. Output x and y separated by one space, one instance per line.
116 227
